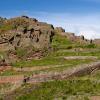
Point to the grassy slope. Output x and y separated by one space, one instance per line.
60 90
60 44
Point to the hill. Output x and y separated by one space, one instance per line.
41 62
22 37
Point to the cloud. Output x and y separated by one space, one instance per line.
84 24
90 32
87 24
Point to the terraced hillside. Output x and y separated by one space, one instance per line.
68 69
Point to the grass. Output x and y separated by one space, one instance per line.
94 76
4 85
6 27
48 61
58 89
21 52
75 53
60 67
60 42
3 88
12 72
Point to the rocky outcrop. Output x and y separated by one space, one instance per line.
25 32
28 34
59 30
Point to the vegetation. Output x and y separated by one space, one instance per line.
59 90
60 42
52 60
48 62
91 45
6 27
3 88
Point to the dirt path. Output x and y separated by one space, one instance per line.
11 79
36 68
71 72
95 98
3 68
80 70
80 57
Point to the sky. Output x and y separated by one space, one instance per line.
78 16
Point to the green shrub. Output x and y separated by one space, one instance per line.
21 52
91 46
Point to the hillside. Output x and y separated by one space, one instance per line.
22 37
41 62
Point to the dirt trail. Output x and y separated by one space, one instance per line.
80 57
95 98
11 79
36 68
79 70
3 68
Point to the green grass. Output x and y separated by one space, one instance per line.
75 53
21 52
54 58
12 72
54 64
6 27
82 86
60 42
58 89
48 61
63 65
94 76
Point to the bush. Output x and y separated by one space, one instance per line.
69 47
91 46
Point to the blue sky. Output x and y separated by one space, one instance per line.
79 16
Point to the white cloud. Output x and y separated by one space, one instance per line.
88 31
84 24
87 25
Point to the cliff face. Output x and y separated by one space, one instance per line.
24 32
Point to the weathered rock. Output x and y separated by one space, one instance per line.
59 30
26 32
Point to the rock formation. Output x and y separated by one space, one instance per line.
24 32
27 34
